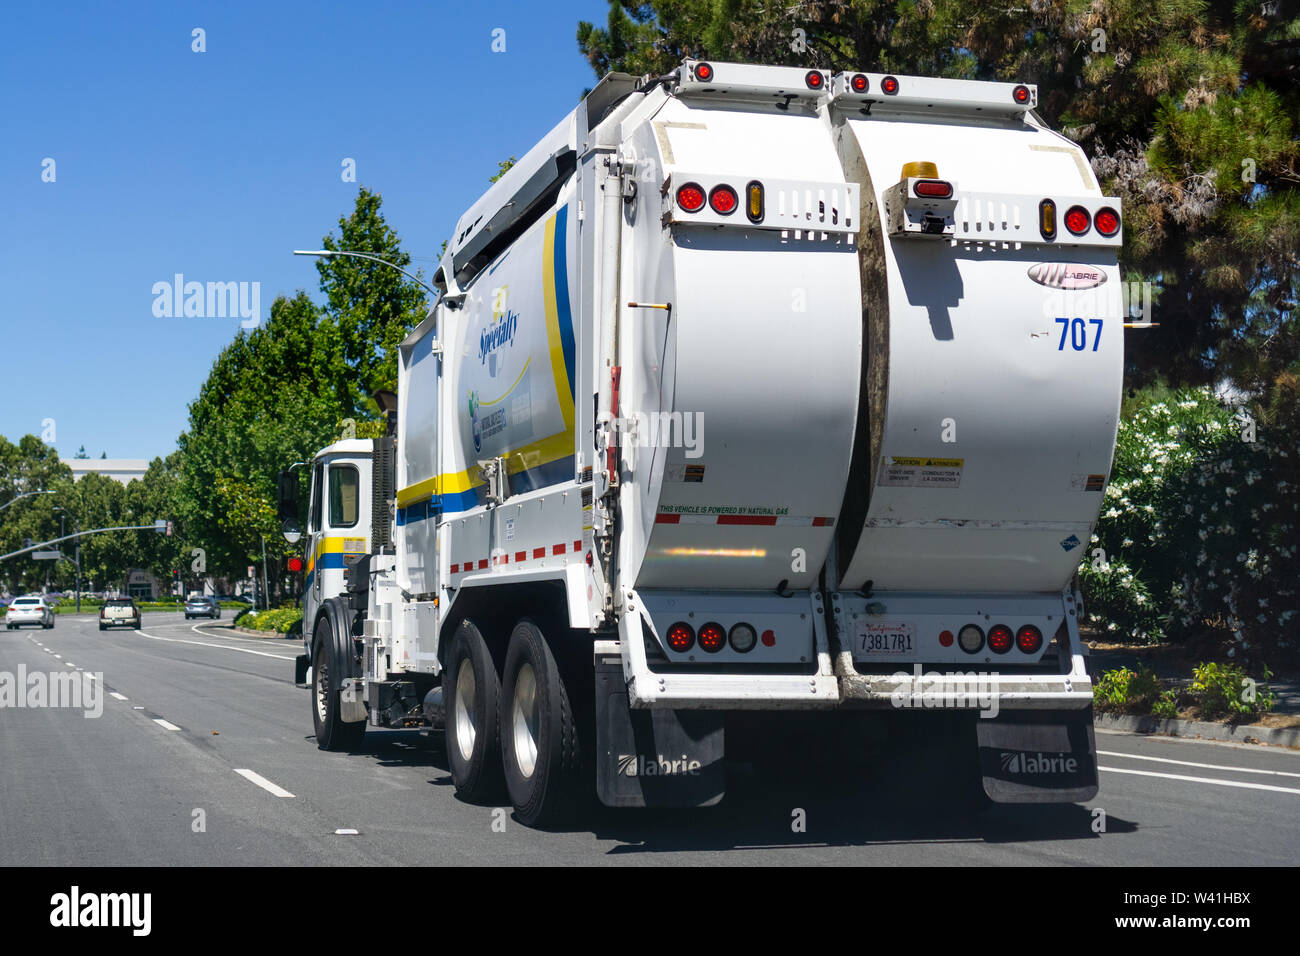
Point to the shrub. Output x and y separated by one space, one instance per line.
1226 690
1126 691
1198 528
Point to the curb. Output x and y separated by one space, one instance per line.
1228 733
245 632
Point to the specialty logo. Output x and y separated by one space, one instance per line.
1066 275
500 331
475 427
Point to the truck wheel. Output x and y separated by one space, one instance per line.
539 732
328 672
470 692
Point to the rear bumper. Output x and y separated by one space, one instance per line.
955 690
837 682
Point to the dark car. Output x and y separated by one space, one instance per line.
203 605
119 612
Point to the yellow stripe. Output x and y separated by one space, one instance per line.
335 545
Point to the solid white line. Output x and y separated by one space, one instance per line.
225 647
1203 766
265 784
113 693
1220 783
164 724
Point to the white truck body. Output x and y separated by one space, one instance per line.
850 417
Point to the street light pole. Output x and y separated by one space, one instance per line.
266 594
25 494
76 526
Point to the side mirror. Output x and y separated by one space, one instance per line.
287 496
292 533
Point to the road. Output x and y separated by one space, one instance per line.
204 755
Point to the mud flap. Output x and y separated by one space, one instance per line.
654 758
1038 756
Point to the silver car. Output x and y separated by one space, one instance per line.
29 610
202 606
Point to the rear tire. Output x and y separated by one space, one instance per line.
471 689
328 672
539 732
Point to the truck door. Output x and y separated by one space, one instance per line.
311 596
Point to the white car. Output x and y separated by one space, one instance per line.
29 610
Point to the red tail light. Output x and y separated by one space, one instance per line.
1000 638
1029 639
933 189
1077 220
1107 221
724 200
712 637
691 197
295 564
815 80
858 83
889 85
681 636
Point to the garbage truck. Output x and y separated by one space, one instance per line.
748 388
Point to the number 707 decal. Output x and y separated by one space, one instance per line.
1077 331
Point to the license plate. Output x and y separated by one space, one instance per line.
885 639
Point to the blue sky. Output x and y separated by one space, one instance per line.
218 164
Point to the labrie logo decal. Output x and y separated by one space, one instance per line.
1066 275
500 331
638 765
1035 763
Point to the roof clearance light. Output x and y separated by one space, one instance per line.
681 637
815 80
1021 95
1047 219
712 638
691 197
1077 220
743 638
703 72
1000 638
1029 639
754 201
889 85
859 83
1106 221
933 189
723 199
923 169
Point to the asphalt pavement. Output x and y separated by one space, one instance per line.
204 754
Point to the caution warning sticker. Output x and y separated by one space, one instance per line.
902 472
